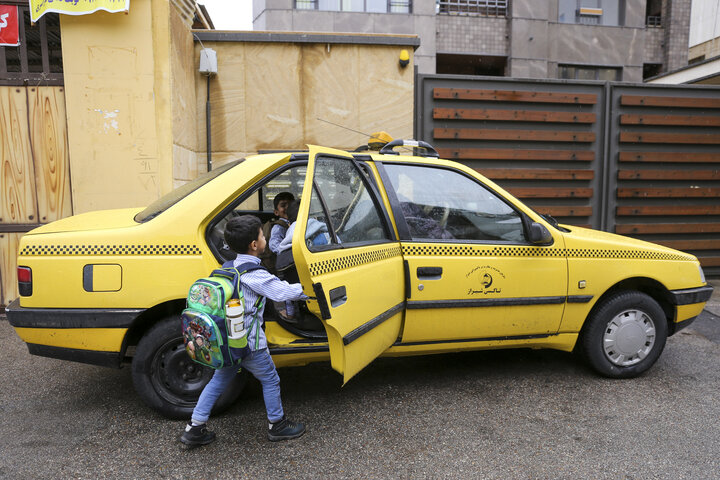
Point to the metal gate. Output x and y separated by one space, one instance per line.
638 160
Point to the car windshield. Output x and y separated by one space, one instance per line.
167 201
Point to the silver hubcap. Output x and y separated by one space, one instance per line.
629 337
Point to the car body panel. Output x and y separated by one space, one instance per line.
544 293
96 339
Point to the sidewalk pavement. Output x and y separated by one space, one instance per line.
713 305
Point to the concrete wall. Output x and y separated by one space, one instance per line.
654 45
676 19
117 91
539 43
472 35
710 49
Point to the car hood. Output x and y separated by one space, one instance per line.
579 237
99 220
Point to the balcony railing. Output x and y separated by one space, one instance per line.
653 21
485 8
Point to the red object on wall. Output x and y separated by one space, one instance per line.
9 30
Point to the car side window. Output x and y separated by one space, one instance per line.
443 204
258 202
342 209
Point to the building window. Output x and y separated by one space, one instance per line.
653 13
370 6
38 58
485 8
584 72
651 70
458 64
592 12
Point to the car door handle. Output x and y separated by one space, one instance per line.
338 296
429 273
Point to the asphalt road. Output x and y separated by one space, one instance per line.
500 414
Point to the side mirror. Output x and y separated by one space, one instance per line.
539 235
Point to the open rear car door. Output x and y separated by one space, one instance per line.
345 247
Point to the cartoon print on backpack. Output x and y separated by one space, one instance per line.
197 341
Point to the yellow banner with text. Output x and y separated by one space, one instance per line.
38 8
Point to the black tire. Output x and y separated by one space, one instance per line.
625 335
167 380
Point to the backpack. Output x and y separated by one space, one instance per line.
213 324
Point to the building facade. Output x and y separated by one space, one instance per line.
625 40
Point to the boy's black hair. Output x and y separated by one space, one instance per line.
292 210
241 231
282 196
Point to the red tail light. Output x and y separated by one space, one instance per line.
24 275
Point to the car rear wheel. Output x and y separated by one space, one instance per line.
167 380
625 335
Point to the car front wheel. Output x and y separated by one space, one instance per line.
625 335
167 379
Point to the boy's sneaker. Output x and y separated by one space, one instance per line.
197 435
285 429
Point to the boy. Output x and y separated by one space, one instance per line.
275 228
274 232
281 202
245 237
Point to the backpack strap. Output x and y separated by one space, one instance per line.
233 274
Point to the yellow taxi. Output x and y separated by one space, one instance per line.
423 256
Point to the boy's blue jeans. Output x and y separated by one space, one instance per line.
260 364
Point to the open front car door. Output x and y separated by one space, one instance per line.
345 248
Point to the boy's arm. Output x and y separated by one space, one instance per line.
276 236
270 286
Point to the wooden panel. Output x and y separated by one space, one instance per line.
8 266
670 157
512 115
682 120
709 261
647 101
550 192
535 174
669 210
669 175
668 192
668 228
17 179
515 135
514 96
564 211
50 147
691 244
512 154
657 137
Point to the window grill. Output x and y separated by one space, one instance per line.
485 8
38 58
653 21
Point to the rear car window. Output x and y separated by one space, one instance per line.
167 201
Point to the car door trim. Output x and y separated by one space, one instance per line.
366 327
481 339
484 302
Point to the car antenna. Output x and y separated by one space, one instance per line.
356 131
